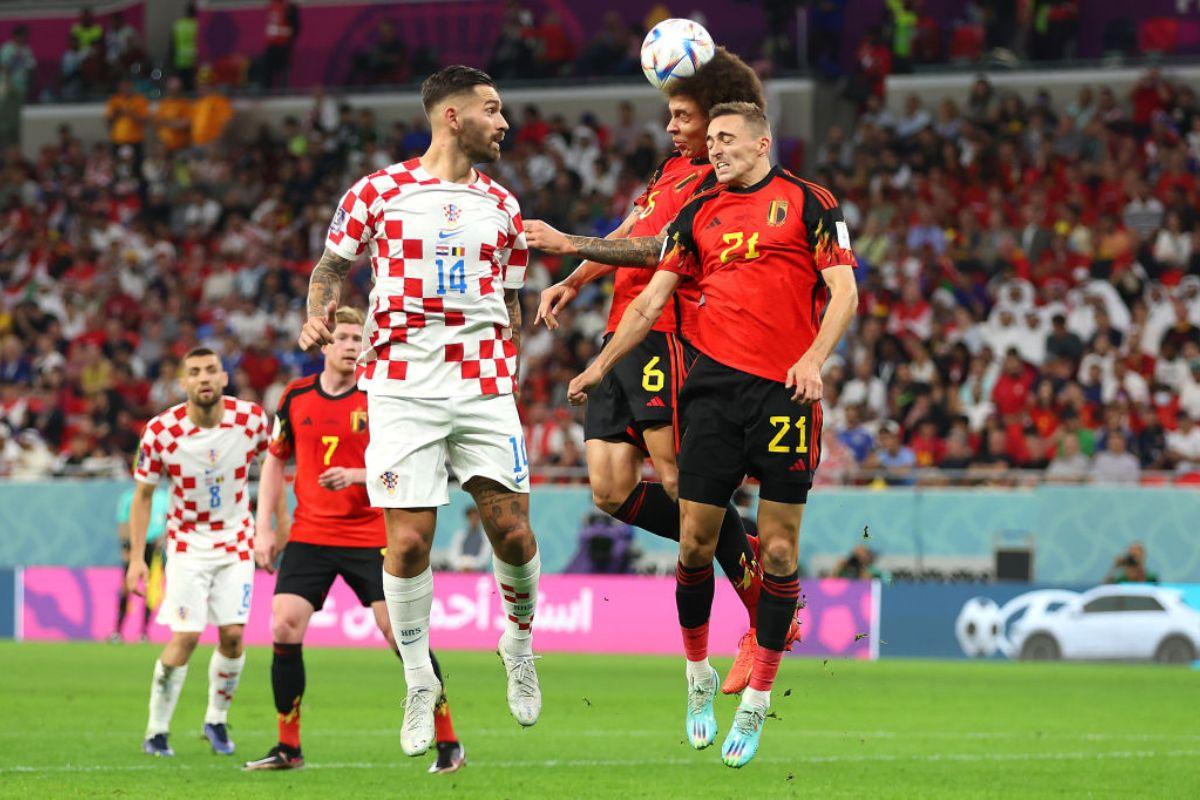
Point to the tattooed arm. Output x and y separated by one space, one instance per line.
641 251
512 299
324 292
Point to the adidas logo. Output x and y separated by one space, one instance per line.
715 222
656 402
799 466
307 421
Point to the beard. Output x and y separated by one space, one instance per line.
200 402
476 141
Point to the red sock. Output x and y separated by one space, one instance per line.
289 727
750 585
695 642
766 665
443 725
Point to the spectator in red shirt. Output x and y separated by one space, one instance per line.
1013 386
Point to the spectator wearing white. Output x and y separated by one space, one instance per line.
33 461
916 118
1030 339
1124 381
1144 212
1070 465
1189 395
1173 247
865 388
1115 464
1183 444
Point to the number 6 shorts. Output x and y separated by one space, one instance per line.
413 438
736 424
205 589
641 391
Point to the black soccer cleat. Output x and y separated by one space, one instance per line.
278 757
452 757
156 745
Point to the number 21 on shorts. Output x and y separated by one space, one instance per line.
781 442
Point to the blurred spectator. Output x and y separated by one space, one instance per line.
173 117
123 47
554 52
826 20
860 565
1115 464
384 61
12 97
1183 444
1130 567
86 34
605 547
127 112
185 47
1071 465
211 114
283 26
470 550
904 32
18 61
892 460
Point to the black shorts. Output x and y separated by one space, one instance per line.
309 570
737 424
641 391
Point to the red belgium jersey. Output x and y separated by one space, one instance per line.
757 253
323 431
674 182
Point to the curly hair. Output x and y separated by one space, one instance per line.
724 79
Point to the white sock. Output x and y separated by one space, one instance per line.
164 694
409 601
518 594
755 697
223 676
698 670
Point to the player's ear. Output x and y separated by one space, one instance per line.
450 116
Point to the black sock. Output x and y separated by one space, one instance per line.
123 604
287 676
650 508
733 548
776 607
693 594
145 618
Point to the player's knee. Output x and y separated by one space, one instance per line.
406 549
514 544
286 631
231 640
670 483
778 556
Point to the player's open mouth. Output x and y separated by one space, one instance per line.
721 165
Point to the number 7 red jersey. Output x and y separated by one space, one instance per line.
322 431
757 253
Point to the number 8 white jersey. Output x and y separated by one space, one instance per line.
442 253
207 468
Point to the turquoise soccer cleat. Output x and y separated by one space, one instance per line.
742 742
701 724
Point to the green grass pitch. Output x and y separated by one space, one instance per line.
612 727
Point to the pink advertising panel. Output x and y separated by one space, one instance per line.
576 613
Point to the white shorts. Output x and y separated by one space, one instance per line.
201 591
413 438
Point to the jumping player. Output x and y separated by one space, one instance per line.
322 421
771 255
635 410
205 447
439 367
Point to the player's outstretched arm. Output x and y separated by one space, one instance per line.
555 298
636 322
139 520
270 497
805 374
324 292
639 251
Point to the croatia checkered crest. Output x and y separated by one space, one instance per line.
673 49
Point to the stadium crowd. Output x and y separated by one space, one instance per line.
1029 274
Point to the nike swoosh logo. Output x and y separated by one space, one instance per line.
410 641
522 477
448 234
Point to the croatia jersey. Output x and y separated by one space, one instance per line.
207 469
323 430
442 253
674 183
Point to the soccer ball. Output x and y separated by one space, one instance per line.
979 627
673 49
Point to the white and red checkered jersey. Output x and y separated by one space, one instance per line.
207 468
442 254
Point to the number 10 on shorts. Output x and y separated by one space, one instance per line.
520 457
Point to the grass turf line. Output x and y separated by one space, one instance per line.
611 726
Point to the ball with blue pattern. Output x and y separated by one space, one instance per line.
674 49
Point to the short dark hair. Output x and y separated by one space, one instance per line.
197 352
724 79
450 81
752 114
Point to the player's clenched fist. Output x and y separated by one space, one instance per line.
318 331
805 377
581 384
547 238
